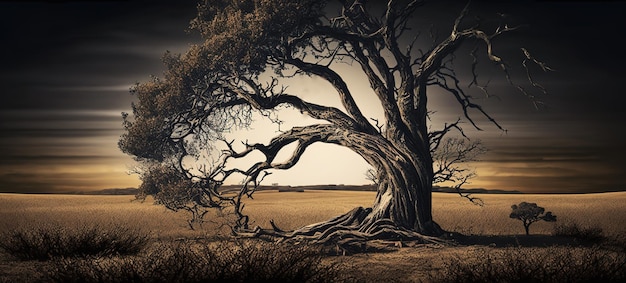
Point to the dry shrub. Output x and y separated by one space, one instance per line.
587 235
224 261
48 241
551 264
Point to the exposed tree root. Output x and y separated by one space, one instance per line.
348 233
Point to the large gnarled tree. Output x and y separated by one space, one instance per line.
249 45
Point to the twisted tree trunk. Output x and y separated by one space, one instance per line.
404 190
402 209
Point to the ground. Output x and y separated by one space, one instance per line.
487 227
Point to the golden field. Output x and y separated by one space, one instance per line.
291 210
294 209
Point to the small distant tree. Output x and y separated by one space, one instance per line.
529 213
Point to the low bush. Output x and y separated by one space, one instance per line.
587 235
48 241
225 261
552 264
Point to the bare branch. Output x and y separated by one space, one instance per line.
378 125
448 160
341 87
372 175
265 98
543 66
254 175
450 164
436 137
465 100
472 199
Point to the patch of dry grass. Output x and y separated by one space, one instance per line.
548 264
188 261
605 210
50 241
74 211
291 210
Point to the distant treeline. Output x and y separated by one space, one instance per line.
116 191
473 191
332 187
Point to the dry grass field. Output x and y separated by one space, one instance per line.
453 213
290 210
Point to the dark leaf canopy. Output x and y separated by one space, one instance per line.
531 212
243 35
239 39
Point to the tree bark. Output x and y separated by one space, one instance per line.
402 209
404 193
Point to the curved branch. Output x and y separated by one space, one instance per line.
211 181
432 65
465 101
436 137
362 31
321 112
340 85
243 91
432 62
384 92
403 64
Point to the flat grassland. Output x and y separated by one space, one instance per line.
291 210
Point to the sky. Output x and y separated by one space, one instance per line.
67 67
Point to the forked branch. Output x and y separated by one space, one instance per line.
254 175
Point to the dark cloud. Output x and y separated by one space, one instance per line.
65 74
557 184
56 49
23 121
557 167
25 183
42 150
68 66
71 100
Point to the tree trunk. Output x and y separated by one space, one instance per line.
402 209
404 196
